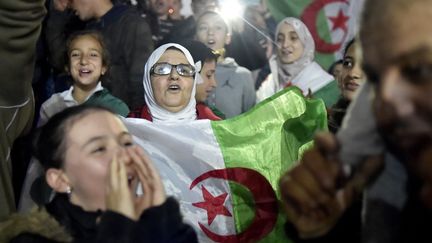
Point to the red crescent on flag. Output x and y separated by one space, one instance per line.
266 205
309 17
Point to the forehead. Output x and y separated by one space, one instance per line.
97 123
86 40
209 64
211 18
173 56
405 35
286 28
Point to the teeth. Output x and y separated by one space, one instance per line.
174 86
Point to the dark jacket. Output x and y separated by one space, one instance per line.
158 224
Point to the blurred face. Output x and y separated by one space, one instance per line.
200 6
160 7
92 142
84 9
212 31
352 74
172 91
208 75
290 48
85 62
399 62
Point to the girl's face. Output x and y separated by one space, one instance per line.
209 82
92 142
352 75
212 31
85 62
172 91
290 48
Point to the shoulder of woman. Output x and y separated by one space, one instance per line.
38 223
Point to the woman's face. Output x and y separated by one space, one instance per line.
92 141
290 48
209 82
352 75
172 91
85 61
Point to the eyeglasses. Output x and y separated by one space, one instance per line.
164 68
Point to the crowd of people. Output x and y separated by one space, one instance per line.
369 179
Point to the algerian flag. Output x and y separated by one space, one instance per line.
225 173
331 22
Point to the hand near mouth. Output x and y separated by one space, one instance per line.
153 190
118 197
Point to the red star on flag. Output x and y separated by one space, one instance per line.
339 22
213 205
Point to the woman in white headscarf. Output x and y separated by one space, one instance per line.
294 65
170 78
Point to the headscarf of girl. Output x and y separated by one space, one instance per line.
289 71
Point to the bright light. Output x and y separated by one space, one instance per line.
231 9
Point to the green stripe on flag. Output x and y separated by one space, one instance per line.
268 139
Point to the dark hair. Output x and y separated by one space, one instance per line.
49 143
97 36
227 25
348 45
199 51
333 66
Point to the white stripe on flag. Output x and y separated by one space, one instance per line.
182 152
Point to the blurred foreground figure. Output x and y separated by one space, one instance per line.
397 47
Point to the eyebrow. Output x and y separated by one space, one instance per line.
103 137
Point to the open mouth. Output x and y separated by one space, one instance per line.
174 87
84 72
131 181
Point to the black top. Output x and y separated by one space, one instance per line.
157 224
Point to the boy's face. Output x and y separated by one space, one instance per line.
399 61
212 31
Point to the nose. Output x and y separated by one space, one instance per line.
356 72
213 82
123 156
173 74
83 60
285 43
395 91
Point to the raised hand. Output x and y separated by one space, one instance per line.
118 197
316 192
153 190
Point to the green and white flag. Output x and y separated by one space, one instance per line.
331 22
225 173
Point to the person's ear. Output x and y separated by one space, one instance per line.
67 69
227 38
57 180
103 71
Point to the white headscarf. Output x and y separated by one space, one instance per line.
158 113
289 71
